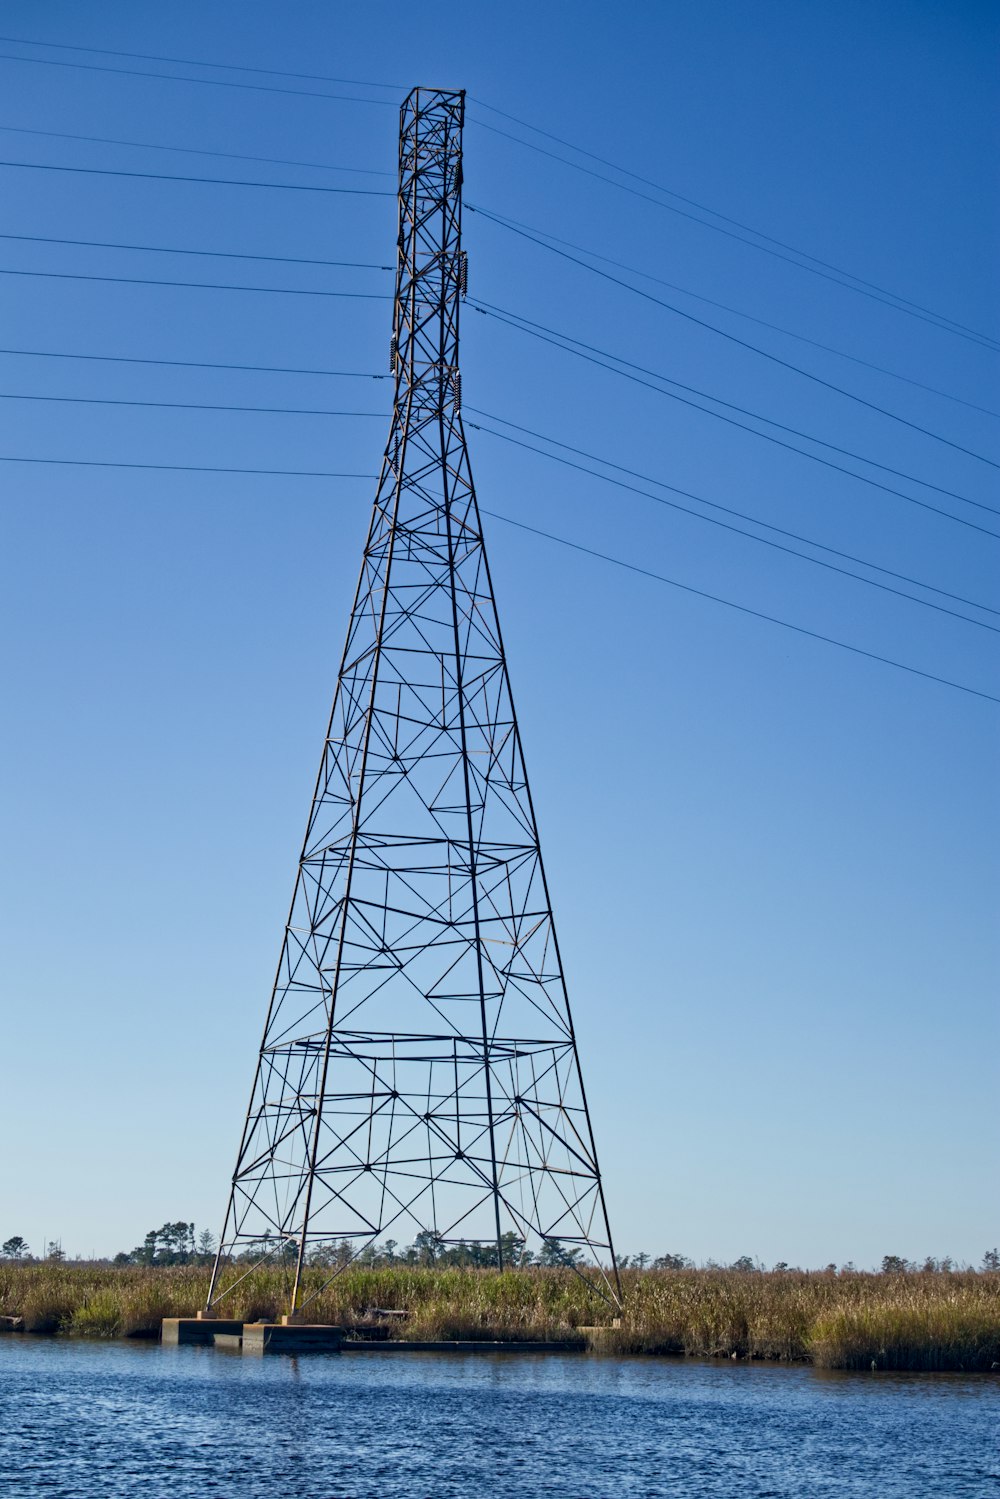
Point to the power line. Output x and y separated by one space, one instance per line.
549 536
195 364
111 244
844 572
741 342
814 343
194 62
258 88
320 411
272 161
816 263
285 187
189 405
502 220
715 598
184 468
284 291
725 509
373 296
564 342
730 234
645 478
862 288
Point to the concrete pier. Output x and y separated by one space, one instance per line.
196 1329
290 1337
229 1342
258 1338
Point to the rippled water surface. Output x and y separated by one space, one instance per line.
80 1419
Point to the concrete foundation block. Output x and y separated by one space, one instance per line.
291 1337
229 1342
196 1329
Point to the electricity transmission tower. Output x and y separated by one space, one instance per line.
418 1069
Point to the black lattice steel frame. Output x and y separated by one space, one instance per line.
419 1065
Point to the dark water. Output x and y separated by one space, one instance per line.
82 1419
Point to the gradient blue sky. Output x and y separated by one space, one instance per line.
774 864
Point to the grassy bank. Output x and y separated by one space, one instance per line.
927 1320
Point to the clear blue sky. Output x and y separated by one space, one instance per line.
774 863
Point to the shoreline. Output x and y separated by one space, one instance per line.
535 1348
947 1321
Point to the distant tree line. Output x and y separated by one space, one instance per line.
173 1244
895 1264
427 1249
892 1264
17 1248
180 1244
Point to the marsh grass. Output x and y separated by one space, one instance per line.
925 1320
951 1326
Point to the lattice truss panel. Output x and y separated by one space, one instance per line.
418 1070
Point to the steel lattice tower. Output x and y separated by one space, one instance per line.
419 1067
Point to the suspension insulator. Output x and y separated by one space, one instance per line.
393 351
463 272
456 389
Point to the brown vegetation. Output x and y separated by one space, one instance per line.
851 1320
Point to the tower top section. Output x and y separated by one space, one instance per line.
423 97
431 266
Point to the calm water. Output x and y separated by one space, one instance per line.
141 1421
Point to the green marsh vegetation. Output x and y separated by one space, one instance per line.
897 1319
